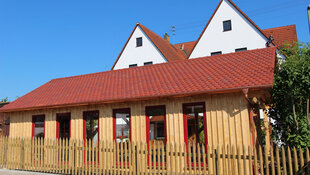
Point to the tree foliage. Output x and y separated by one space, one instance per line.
6 99
290 97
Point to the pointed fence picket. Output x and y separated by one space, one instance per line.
72 156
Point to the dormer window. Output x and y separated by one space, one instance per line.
227 25
133 65
148 63
139 42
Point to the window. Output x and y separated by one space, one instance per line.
133 65
227 25
216 53
63 125
139 42
195 121
38 122
121 124
148 63
155 123
91 125
241 49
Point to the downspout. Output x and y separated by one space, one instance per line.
308 9
250 109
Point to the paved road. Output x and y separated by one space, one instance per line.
14 172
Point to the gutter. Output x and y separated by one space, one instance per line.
218 91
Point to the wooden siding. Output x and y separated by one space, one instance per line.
227 119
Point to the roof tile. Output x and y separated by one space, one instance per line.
253 68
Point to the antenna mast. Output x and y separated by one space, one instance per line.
173 33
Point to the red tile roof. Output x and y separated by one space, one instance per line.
187 47
220 73
282 35
168 50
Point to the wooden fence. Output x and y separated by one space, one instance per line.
78 157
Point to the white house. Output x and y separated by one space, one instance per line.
228 30
144 47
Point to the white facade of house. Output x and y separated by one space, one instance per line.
139 55
215 39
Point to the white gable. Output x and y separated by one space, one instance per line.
243 33
139 55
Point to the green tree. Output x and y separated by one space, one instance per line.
6 99
290 97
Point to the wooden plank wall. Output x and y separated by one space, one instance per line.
227 119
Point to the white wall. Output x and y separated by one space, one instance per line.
138 55
243 33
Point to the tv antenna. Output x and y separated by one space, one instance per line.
173 33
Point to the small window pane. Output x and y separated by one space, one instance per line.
133 65
139 42
195 123
38 122
122 127
64 125
216 53
241 49
148 63
156 116
92 127
227 25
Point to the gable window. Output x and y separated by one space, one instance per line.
216 53
139 42
63 125
241 49
91 125
121 124
155 123
38 122
194 118
227 25
148 63
133 65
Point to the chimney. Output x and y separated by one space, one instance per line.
167 37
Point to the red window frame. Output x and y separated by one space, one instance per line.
33 125
185 120
114 121
58 116
84 123
147 122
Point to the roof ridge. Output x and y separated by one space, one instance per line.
149 31
291 25
159 64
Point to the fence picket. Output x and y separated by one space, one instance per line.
301 158
272 161
108 157
295 160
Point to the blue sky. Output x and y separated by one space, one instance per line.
45 39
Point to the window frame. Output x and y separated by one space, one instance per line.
132 65
58 116
216 53
114 121
138 38
84 123
224 25
33 124
241 49
147 121
185 120
148 63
